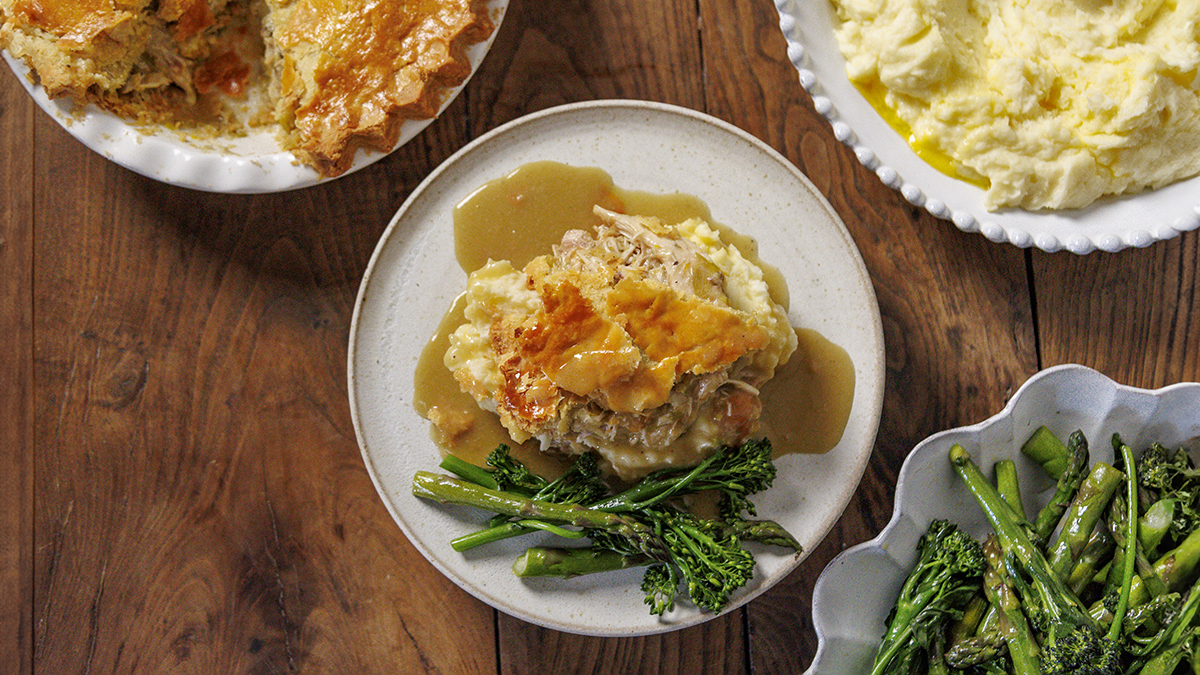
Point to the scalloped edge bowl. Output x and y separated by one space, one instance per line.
1111 224
857 589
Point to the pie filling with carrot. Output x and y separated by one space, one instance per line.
335 75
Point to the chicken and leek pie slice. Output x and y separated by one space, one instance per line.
137 58
644 342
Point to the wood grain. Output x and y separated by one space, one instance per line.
204 506
579 50
716 646
181 490
16 377
1134 316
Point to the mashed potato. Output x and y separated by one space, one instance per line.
644 342
1049 104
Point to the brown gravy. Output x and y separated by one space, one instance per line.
520 216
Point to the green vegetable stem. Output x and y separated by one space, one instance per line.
642 526
950 564
1073 643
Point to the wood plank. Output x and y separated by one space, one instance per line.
202 503
956 308
712 647
16 375
582 51
1133 315
200 500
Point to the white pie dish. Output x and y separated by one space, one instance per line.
1111 224
855 592
413 277
249 164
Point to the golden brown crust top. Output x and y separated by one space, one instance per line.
354 70
81 22
72 21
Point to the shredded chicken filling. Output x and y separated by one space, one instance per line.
624 342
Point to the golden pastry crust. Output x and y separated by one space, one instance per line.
348 73
339 74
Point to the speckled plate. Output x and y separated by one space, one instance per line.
1110 224
413 277
253 163
855 592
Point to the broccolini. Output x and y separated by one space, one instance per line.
641 526
950 564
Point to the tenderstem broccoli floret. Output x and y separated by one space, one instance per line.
641 526
950 564
1170 476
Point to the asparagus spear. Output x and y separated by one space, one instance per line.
1155 524
546 561
450 490
1044 448
1069 481
1023 648
1128 530
1088 506
976 651
1009 486
964 628
1094 556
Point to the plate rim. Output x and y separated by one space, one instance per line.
873 403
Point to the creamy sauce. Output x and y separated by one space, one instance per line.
519 217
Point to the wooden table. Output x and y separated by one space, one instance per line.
180 485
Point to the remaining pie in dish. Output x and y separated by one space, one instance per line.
335 75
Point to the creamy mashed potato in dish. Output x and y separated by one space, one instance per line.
1047 104
644 342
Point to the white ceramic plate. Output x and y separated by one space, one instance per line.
1111 224
856 591
251 164
413 277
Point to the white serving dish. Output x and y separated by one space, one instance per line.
855 592
1110 224
413 277
248 164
